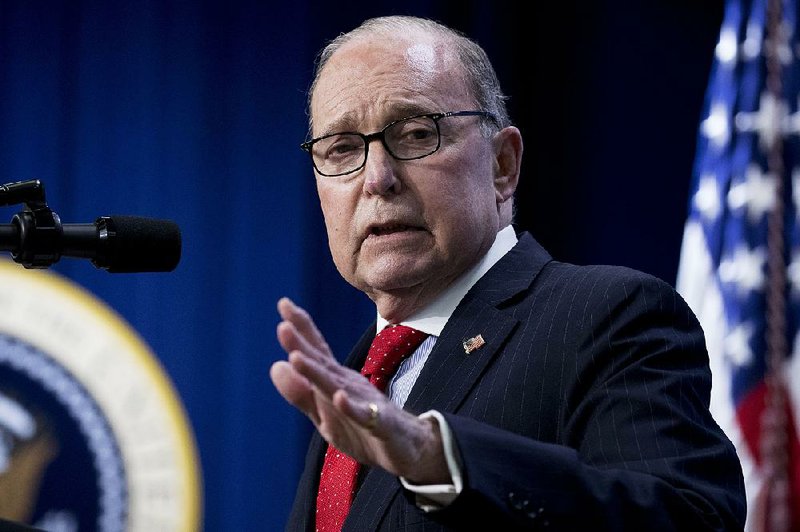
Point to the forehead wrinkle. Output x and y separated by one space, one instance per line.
343 124
389 113
381 109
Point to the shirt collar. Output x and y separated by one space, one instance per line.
434 316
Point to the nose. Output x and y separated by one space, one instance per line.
380 177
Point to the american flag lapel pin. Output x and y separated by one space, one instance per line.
471 344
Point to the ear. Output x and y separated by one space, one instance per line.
508 161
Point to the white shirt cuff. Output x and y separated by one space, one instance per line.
431 497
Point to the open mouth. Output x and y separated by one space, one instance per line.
390 229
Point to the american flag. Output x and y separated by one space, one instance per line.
740 260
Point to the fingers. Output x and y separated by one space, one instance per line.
343 405
328 376
291 340
353 398
311 375
348 411
303 324
297 332
295 388
365 413
309 353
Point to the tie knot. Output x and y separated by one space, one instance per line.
388 349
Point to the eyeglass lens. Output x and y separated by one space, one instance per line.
411 138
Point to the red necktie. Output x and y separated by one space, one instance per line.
337 481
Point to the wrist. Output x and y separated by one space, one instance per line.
430 467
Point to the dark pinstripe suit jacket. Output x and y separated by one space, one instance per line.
587 409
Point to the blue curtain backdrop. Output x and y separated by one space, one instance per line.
193 111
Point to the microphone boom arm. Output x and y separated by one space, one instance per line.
36 237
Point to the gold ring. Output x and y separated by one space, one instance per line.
373 416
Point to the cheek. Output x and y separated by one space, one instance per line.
337 210
329 202
334 219
468 219
462 200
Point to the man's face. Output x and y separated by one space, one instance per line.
402 231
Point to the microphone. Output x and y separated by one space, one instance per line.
118 244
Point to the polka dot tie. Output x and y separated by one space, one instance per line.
337 481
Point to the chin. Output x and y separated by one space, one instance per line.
397 277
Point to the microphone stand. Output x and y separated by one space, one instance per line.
36 231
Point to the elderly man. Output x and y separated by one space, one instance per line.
504 390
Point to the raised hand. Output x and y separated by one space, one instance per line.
347 410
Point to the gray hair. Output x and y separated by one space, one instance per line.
477 68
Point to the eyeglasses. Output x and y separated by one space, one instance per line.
406 139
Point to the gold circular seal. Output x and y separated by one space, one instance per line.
66 349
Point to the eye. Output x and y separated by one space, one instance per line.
408 137
414 130
340 146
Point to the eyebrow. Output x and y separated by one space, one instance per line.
346 122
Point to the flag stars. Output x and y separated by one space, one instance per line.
768 122
745 269
726 47
706 199
754 38
716 127
737 345
756 192
793 274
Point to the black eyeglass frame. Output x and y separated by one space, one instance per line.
380 135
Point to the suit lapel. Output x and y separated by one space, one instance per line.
372 500
451 371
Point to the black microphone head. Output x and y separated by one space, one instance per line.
138 244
